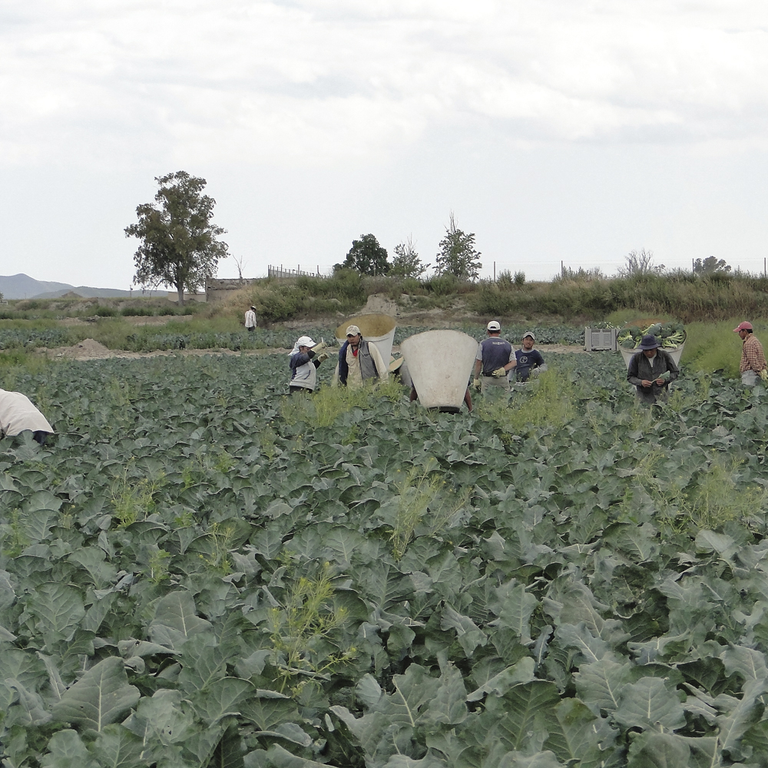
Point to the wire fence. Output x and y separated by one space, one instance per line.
282 272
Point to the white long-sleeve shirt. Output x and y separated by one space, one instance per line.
17 414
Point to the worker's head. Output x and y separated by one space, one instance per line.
528 340
353 335
649 344
493 328
743 329
305 343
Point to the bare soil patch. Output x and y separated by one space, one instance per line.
89 349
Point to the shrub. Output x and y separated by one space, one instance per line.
442 285
137 312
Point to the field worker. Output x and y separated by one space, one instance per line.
306 356
250 319
359 361
529 360
17 414
495 358
650 370
752 363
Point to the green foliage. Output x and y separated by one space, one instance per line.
442 285
457 255
302 627
716 498
366 257
548 400
407 263
179 243
424 501
132 498
277 300
200 569
713 347
711 266
640 263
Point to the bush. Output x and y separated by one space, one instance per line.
412 286
492 301
105 312
442 285
505 279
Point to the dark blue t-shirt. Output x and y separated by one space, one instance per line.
526 361
495 353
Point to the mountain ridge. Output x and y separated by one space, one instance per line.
22 286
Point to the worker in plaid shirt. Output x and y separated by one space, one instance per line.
752 363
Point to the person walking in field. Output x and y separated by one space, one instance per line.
529 360
306 357
495 359
752 364
250 319
18 414
359 361
650 370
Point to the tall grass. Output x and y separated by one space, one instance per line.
679 294
548 400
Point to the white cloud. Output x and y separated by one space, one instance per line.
316 82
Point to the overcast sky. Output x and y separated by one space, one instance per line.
557 131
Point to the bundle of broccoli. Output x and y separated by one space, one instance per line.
670 335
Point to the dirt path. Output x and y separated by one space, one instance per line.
89 349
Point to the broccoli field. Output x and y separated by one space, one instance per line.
200 571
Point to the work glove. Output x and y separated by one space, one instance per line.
764 374
318 348
499 372
322 358
476 384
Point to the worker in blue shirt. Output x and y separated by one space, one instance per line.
529 360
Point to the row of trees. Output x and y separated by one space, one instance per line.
181 246
641 263
457 256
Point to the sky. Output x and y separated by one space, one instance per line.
562 133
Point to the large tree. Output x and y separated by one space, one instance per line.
367 257
179 243
458 255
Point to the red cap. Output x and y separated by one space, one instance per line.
743 327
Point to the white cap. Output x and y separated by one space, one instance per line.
305 341
353 330
494 326
529 333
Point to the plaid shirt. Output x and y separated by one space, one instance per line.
752 357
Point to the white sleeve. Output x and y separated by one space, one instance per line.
378 361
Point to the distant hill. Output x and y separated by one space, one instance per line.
23 286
